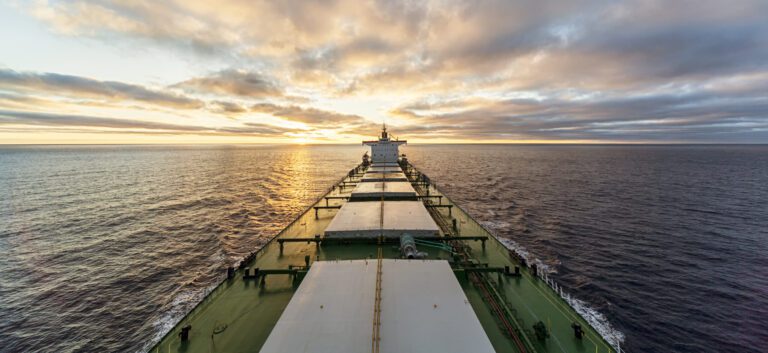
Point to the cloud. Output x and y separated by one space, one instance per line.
227 107
569 70
310 116
11 117
233 82
51 119
705 116
164 23
81 87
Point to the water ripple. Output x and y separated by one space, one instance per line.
668 242
106 247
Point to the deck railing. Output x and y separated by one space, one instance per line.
614 342
209 294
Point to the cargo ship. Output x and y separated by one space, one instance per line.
384 262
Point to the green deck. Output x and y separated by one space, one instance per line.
239 314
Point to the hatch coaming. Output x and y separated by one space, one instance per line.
382 218
239 314
383 189
421 304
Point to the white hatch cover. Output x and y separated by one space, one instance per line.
357 219
385 189
372 177
390 164
364 219
384 170
423 309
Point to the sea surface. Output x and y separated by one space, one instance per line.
104 248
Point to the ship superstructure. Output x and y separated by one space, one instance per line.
384 262
384 150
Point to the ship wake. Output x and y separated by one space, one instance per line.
596 319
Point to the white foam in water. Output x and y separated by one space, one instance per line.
597 320
181 305
184 302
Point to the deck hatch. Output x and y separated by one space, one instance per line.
364 219
423 309
374 177
385 189
378 169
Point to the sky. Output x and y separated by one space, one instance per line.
332 71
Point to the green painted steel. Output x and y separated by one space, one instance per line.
239 314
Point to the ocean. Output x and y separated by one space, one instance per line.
104 248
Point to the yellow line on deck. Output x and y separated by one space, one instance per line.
377 307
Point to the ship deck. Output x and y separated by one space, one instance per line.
241 312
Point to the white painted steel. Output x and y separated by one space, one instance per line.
384 151
370 177
331 311
384 169
363 219
377 164
423 308
386 189
408 217
360 219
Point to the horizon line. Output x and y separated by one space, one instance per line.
417 143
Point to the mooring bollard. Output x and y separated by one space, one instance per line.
184 334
